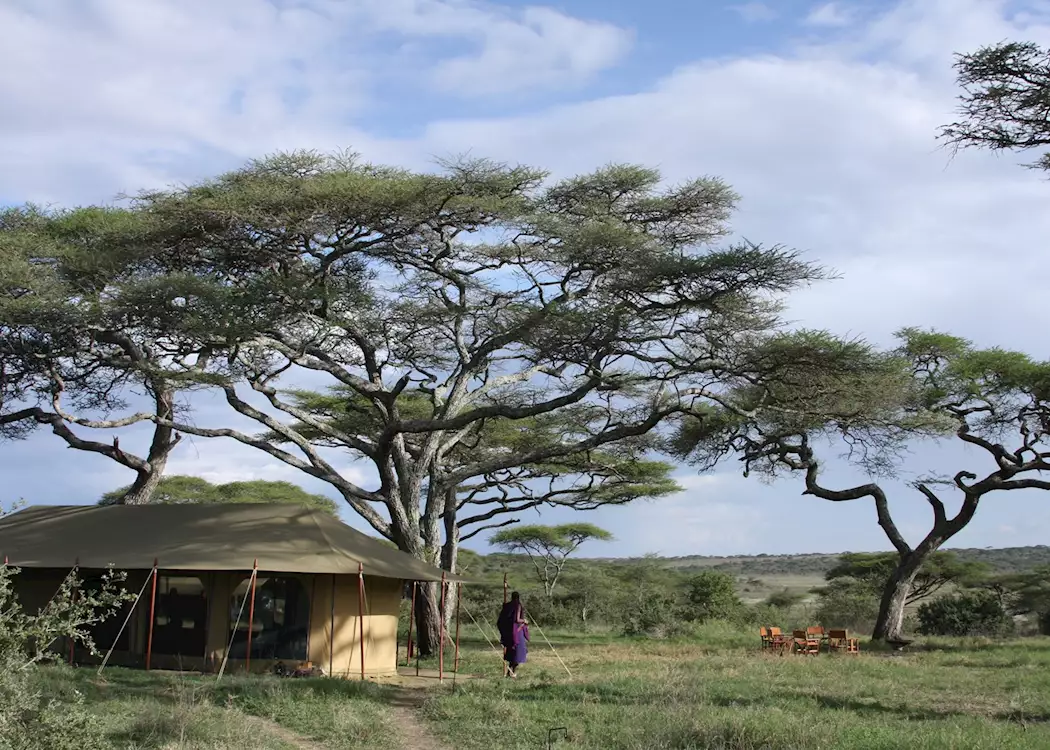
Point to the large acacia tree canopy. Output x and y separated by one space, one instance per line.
481 323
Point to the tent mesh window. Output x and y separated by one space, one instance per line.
281 622
180 624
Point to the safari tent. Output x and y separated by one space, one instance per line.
319 585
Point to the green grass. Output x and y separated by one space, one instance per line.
142 710
716 690
720 692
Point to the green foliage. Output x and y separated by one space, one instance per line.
785 599
712 596
967 613
847 603
548 547
175 490
29 719
1002 103
939 569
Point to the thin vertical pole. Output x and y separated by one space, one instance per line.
411 619
504 588
73 597
441 641
459 606
361 613
331 632
251 616
152 611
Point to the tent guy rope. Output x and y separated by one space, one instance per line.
127 619
233 634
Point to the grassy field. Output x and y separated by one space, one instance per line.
159 711
717 691
722 693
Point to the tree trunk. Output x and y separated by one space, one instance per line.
428 618
889 625
164 440
145 484
450 555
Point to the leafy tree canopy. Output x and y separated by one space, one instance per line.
177 490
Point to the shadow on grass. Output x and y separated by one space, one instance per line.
918 713
623 695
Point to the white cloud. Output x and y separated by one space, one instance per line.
125 94
538 47
829 14
834 154
755 12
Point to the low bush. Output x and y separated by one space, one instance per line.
967 613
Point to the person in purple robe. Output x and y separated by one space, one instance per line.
513 634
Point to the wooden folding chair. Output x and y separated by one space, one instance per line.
763 633
806 645
778 641
840 640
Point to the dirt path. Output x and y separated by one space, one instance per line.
404 709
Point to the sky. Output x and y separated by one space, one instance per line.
823 116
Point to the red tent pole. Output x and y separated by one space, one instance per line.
361 613
504 588
152 610
441 652
251 616
459 606
411 619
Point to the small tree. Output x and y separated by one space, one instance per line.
847 603
941 568
548 547
180 490
711 595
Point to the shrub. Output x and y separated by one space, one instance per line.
711 595
968 613
654 614
847 603
785 599
28 720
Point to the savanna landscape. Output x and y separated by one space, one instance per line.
471 362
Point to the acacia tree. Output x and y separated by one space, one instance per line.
189 490
940 569
548 547
480 293
934 385
614 475
64 352
1004 100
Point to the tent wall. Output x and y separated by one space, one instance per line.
339 654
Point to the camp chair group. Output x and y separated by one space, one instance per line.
808 642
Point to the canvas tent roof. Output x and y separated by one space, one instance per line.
284 539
